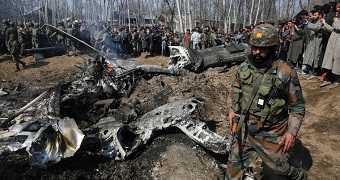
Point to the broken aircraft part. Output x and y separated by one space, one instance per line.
41 53
59 139
120 141
49 132
47 138
200 60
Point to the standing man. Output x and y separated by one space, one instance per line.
11 30
204 38
61 36
268 108
295 42
195 38
313 48
15 51
21 37
36 34
187 39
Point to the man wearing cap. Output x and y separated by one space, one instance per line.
266 109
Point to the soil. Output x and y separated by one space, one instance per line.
171 154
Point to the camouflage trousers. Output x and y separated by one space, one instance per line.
262 142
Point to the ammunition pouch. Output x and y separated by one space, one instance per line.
269 103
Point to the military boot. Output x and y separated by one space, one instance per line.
17 69
23 65
297 173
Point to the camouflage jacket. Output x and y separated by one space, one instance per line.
292 105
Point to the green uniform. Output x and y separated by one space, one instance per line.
61 36
277 108
36 33
15 51
22 38
204 40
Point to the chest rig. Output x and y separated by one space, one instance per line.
269 103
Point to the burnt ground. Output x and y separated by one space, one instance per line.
170 155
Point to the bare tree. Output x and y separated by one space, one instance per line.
179 16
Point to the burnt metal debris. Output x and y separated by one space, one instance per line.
47 127
200 60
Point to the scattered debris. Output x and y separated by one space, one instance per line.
49 132
3 93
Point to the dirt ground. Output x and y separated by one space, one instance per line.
170 155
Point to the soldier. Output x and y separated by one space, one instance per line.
9 31
15 51
134 42
29 29
268 108
70 42
5 26
61 36
36 33
213 37
51 36
204 39
21 37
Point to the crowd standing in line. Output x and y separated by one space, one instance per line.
308 41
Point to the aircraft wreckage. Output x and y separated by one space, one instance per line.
47 126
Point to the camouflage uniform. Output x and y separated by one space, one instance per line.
15 51
204 40
134 42
5 26
21 37
36 35
278 107
72 31
11 30
61 36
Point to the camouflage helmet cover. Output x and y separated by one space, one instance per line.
264 35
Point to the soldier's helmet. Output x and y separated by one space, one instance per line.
264 35
36 25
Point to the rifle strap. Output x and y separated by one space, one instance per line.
252 96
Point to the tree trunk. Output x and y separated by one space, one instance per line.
189 14
229 17
251 12
224 4
179 17
244 13
128 11
257 12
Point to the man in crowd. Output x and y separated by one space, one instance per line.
313 49
195 39
15 51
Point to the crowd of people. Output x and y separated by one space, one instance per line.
308 40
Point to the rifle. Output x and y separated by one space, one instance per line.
234 130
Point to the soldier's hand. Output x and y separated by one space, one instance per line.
288 140
231 116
